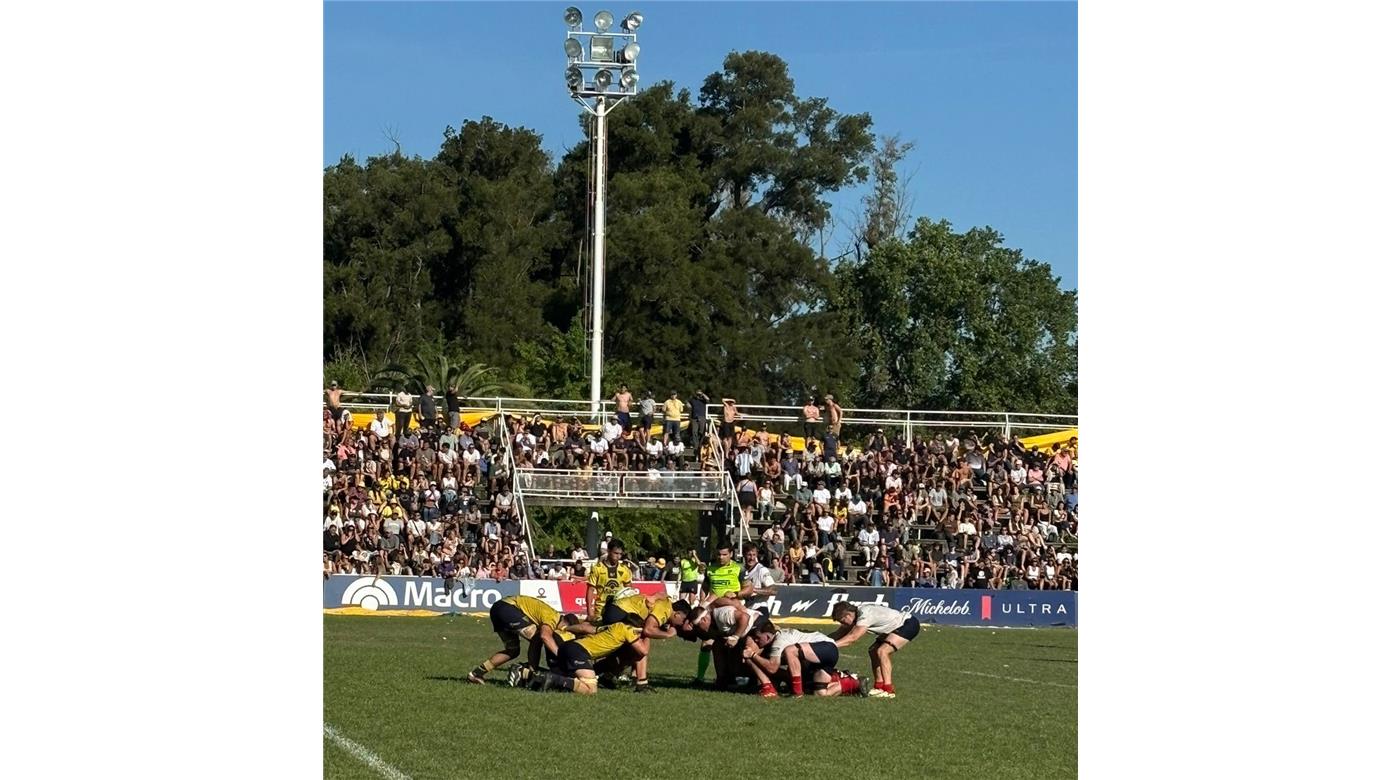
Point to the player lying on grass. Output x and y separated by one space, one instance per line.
528 618
806 654
571 664
655 615
892 629
721 630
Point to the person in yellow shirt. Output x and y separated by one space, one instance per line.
571 663
655 615
518 617
671 423
607 577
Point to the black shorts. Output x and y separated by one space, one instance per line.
625 420
910 629
690 587
827 656
613 614
572 658
507 618
726 430
646 422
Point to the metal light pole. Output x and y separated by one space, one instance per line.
602 54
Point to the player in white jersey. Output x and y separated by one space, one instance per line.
892 629
757 578
725 626
806 654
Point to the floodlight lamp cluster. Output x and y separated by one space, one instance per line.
603 52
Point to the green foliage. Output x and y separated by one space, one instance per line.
957 321
477 256
443 373
644 532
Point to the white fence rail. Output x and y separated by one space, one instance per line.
666 486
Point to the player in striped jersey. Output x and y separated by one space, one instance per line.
892 629
526 617
808 655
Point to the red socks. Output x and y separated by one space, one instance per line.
884 686
797 686
849 686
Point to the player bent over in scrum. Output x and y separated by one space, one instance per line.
724 628
892 629
529 618
571 663
807 655
656 616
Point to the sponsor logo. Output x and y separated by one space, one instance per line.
430 593
800 606
1034 608
369 593
805 606
918 607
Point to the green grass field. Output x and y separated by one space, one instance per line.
973 702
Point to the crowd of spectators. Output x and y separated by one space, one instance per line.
944 511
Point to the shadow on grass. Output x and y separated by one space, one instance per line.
499 683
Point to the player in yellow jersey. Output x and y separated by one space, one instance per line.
525 617
571 663
607 577
655 615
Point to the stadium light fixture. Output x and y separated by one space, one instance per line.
600 48
600 73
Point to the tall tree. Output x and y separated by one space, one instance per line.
888 205
950 320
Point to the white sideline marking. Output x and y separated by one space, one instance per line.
1019 679
364 754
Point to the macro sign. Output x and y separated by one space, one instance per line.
381 593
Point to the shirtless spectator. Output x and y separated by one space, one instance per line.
833 415
623 399
811 418
727 422
333 403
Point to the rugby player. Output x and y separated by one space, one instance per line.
571 663
892 629
808 655
756 578
655 615
607 577
723 628
724 579
517 617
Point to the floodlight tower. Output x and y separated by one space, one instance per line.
601 72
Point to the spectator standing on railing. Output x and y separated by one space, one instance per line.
333 402
403 411
648 409
834 415
728 420
698 419
427 408
623 399
671 418
811 419
453 405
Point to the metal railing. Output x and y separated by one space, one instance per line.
906 421
662 487
732 494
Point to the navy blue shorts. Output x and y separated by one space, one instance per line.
614 614
507 618
572 658
827 656
910 629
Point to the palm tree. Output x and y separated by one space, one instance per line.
472 381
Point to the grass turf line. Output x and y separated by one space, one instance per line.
397 687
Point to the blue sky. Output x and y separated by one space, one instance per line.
987 91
